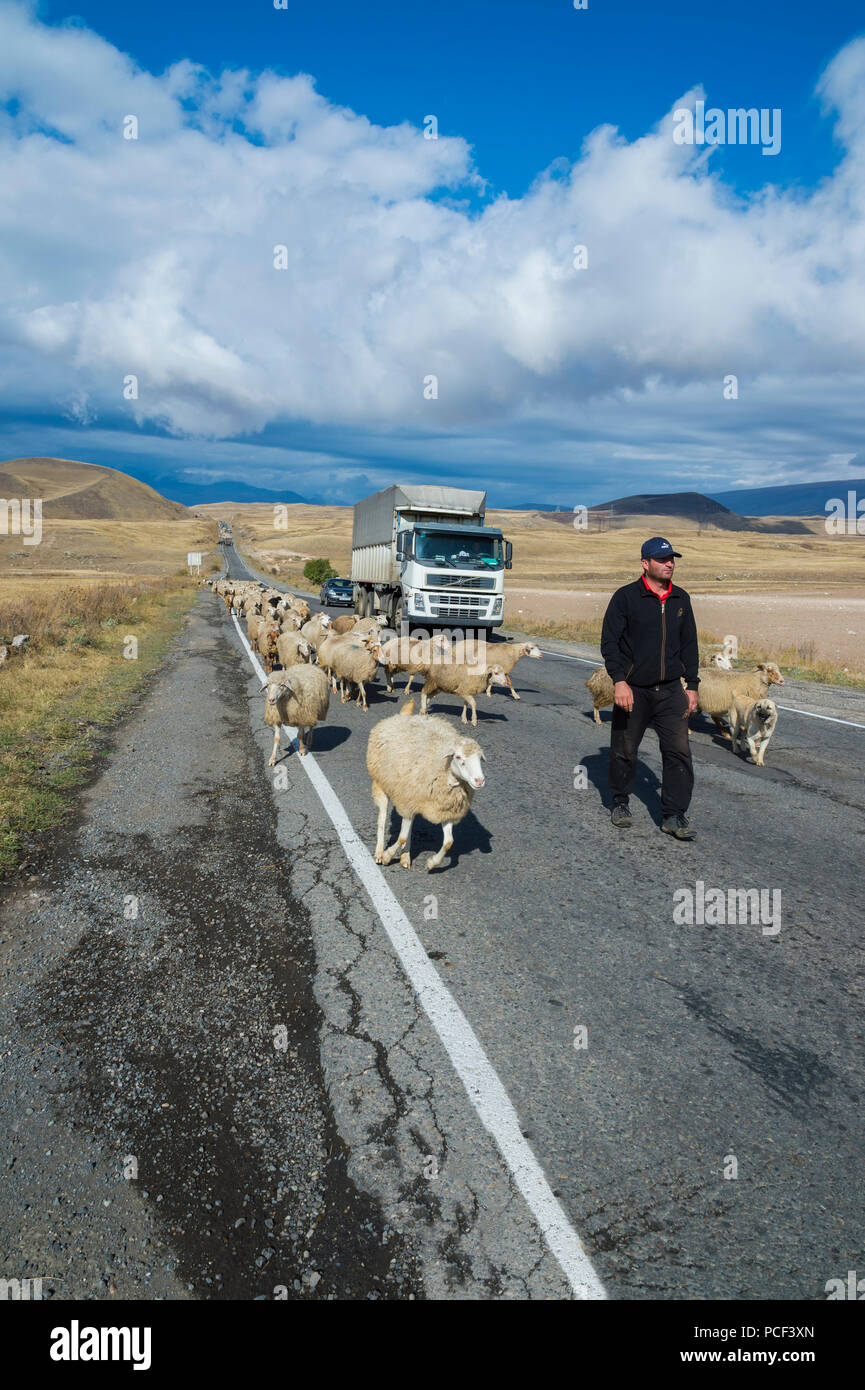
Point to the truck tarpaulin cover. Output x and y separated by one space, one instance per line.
373 518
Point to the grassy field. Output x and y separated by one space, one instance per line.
80 550
91 647
550 554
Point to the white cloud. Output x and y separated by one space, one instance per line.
155 257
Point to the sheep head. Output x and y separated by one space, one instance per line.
533 651
464 764
772 673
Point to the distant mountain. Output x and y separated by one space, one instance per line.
791 499
231 490
690 506
75 491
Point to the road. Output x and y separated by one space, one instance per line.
703 1041
348 1160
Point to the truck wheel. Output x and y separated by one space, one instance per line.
397 613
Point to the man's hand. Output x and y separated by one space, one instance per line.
693 698
623 695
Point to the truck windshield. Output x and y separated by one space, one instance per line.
458 550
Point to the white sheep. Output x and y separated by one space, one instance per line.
506 656
292 649
426 769
298 696
411 654
463 680
352 662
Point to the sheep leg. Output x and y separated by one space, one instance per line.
411 676
362 696
388 675
470 700
511 688
309 733
597 714
275 747
382 802
301 746
447 841
424 701
401 843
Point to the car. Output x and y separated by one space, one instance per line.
337 593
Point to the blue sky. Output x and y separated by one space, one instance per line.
410 258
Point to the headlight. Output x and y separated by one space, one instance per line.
419 603
497 606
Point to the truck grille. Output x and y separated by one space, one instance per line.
437 580
456 606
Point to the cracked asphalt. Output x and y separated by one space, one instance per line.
220 1083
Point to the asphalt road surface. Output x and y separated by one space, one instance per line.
705 1142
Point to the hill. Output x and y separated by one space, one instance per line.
75 491
692 507
792 499
231 490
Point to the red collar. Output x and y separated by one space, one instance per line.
662 598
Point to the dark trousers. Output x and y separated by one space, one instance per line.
660 707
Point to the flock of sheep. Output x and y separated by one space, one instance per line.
739 696
419 763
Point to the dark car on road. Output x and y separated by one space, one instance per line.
339 592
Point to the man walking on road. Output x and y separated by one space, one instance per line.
649 642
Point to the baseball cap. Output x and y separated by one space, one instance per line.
658 549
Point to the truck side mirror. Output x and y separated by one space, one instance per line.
509 555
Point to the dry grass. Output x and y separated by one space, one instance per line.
84 550
72 682
800 662
550 554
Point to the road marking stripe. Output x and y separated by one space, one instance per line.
474 1069
809 714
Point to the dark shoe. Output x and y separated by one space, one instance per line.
621 815
678 826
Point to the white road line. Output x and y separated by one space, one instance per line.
474 1069
809 714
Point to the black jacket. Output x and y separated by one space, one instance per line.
645 642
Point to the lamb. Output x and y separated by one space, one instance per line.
292 649
754 721
463 680
426 769
354 664
343 624
266 641
413 655
299 696
507 657
717 688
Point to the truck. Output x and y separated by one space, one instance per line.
420 553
